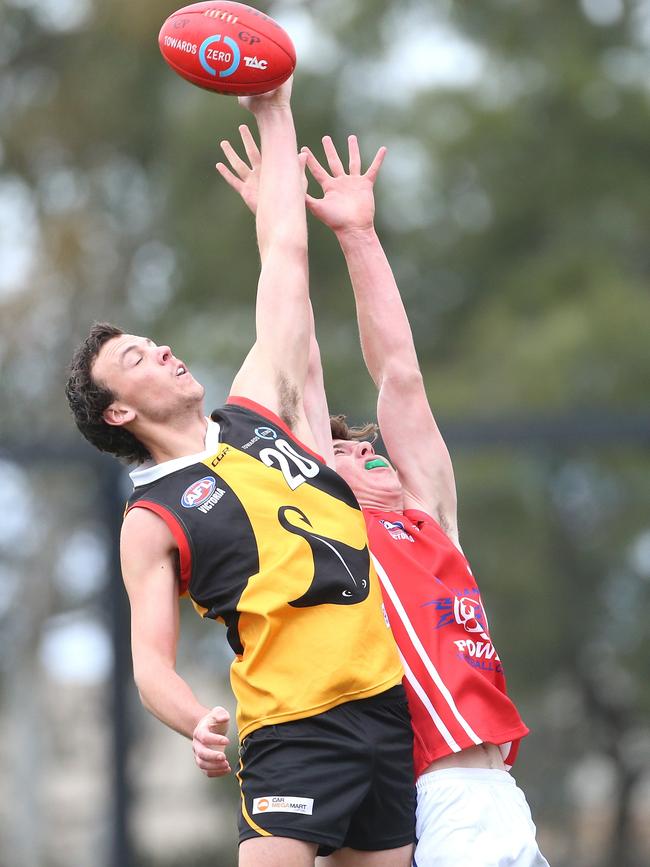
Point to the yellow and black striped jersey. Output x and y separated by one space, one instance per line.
272 542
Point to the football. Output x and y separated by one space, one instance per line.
227 48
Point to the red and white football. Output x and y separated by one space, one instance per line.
227 47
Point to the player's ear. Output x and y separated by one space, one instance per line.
118 415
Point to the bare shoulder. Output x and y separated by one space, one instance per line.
142 526
146 543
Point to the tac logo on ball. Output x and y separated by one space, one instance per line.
227 47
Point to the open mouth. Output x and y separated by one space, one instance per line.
181 370
375 462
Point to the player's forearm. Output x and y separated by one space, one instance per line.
169 698
282 308
386 337
281 217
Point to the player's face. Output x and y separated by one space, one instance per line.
146 379
370 475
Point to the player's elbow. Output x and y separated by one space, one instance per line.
286 241
403 376
147 679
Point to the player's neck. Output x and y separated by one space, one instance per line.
175 439
384 501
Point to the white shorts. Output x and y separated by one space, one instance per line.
473 817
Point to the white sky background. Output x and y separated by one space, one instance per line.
426 53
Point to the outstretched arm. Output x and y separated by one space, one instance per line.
243 176
275 370
414 443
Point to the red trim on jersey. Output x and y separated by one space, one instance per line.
272 417
184 552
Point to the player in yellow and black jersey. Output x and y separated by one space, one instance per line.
272 542
240 513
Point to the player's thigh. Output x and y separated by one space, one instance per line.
276 852
400 857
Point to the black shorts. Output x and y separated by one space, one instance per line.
341 778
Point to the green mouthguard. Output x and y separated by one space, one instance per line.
375 462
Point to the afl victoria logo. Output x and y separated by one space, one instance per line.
198 492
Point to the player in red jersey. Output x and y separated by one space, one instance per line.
466 729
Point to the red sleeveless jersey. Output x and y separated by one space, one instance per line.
453 675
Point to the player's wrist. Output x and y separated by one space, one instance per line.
351 235
273 106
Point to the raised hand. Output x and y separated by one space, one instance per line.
245 178
278 98
348 200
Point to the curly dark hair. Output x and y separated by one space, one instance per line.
88 400
341 430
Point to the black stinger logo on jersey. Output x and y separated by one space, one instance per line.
340 571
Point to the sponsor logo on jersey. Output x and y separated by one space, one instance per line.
212 501
202 495
469 614
198 492
479 654
266 433
283 804
397 531
449 610
220 455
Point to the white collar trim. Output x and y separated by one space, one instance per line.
150 472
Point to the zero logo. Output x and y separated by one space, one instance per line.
198 492
236 55
283 455
266 433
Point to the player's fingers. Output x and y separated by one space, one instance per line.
333 159
252 150
211 740
228 177
314 205
302 162
219 772
317 170
206 756
375 165
234 159
355 155
214 769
